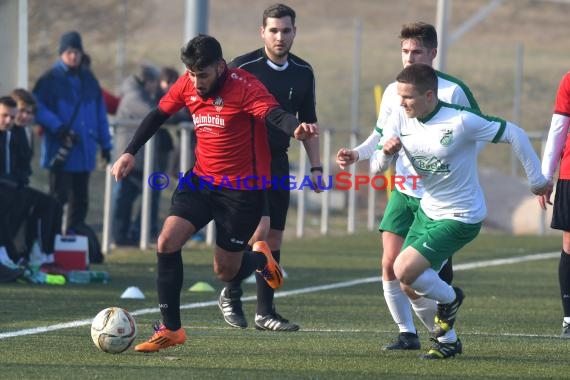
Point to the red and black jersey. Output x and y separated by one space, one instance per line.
558 143
562 104
562 107
292 84
230 127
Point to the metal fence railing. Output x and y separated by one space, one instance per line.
185 162
324 203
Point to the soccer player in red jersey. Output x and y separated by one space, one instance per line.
230 109
557 151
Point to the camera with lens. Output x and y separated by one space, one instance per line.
68 139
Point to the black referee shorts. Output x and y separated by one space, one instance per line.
278 197
561 209
236 213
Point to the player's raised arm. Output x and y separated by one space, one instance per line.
289 124
384 155
524 151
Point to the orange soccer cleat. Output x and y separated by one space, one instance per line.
162 338
271 273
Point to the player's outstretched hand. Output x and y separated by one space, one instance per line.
346 157
544 198
123 166
305 131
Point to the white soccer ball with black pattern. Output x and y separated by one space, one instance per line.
113 330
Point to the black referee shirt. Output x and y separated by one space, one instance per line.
292 84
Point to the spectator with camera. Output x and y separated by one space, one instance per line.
72 112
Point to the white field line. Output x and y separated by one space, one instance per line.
377 331
344 284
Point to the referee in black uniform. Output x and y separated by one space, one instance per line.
292 82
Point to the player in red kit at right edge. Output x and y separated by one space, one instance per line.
230 109
557 151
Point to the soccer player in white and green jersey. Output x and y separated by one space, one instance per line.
418 42
440 141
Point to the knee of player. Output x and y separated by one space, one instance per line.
165 243
401 274
388 259
224 272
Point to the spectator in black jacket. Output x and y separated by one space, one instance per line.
22 206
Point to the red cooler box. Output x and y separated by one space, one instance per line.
71 252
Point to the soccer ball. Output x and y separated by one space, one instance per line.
113 330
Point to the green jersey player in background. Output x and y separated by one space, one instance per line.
418 45
440 141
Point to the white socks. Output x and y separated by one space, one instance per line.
449 337
432 289
425 309
399 306
429 284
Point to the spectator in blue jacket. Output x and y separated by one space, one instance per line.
72 113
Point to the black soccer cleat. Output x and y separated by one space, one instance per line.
446 313
404 341
230 305
274 322
440 350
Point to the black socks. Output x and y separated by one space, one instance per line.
250 261
169 285
265 292
564 280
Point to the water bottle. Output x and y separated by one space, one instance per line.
87 276
44 278
79 276
99 276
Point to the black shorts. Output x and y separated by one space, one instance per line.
277 201
236 213
561 209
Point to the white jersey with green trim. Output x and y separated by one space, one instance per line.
449 89
442 147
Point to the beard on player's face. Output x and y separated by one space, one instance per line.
211 83
206 92
280 51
